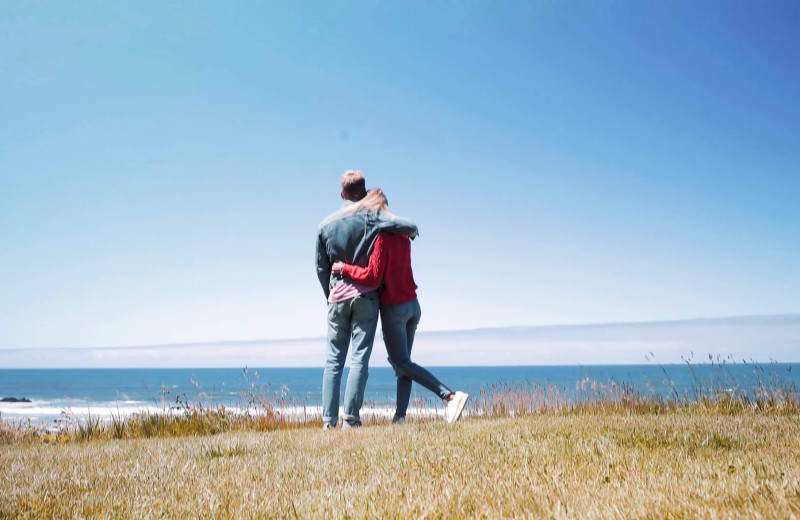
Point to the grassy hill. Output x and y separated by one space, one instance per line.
596 463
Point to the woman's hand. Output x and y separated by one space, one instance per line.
337 267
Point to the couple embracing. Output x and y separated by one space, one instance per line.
363 262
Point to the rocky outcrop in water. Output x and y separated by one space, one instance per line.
15 400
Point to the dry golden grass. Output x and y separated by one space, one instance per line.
685 464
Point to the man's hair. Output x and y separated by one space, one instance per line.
353 185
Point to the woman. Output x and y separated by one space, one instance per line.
390 262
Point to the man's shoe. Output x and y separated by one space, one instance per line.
328 426
455 406
346 425
397 419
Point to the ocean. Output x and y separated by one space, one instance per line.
56 393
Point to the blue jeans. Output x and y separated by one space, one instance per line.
399 324
355 319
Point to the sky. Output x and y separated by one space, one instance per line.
164 165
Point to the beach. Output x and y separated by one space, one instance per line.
59 395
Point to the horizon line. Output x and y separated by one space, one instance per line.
248 367
792 316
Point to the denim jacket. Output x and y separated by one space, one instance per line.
348 235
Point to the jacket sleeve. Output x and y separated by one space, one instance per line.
323 265
373 273
395 224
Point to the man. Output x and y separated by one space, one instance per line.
348 235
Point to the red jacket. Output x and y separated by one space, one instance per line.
390 261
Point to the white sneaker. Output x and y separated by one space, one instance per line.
455 406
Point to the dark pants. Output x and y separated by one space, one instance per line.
399 324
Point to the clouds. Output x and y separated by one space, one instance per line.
758 338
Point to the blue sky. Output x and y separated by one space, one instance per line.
163 167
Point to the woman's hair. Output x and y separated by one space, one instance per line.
374 200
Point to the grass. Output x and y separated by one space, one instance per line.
688 464
192 421
526 451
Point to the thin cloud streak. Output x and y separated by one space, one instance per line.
758 338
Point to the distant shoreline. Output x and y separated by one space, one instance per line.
760 338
